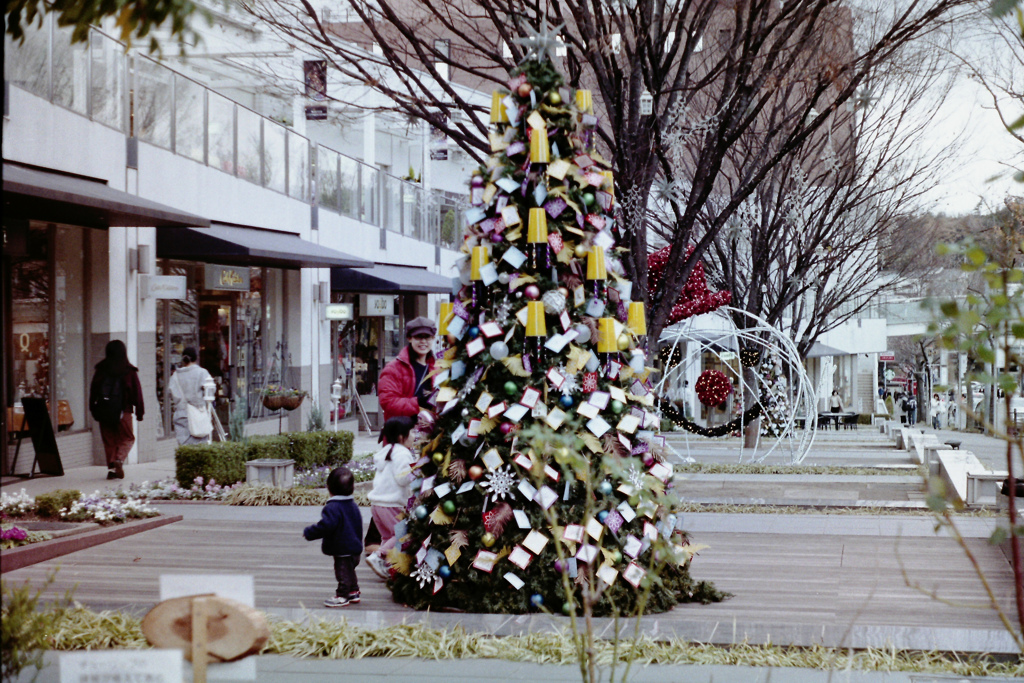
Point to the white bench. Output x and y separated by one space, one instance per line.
923 442
968 478
909 436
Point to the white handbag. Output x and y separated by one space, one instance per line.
200 424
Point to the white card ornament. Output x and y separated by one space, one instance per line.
587 553
613 369
442 490
633 546
459 432
551 472
514 257
522 519
516 582
558 168
488 274
535 542
428 484
516 412
588 410
490 329
545 497
474 427
530 397
520 558
592 363
628 424
625 288
450 406
512 110
446 394
579 296
466 487
607 574
555 418
604 239
459 366
527 490
661 471
507 184
556 378
540 411
599 399
421 555
523 315
440 378
626 511
474 215
484 402
617 394
595 308
475 347
536 120
523 460
485 561
634 574
510 214
540 193
650 531
456 328
598 426
492 459
595 529
573 532
497 409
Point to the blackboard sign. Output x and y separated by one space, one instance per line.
37 421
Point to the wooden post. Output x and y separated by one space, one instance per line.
199 654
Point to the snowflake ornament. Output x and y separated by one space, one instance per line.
424 575
500 482
635 476
540 44
570 386
502 313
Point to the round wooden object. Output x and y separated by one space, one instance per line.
273 402
233 630
291 402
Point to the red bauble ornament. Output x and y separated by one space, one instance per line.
532 292
475 472
712 388
506 428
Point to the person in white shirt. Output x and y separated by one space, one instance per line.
391 486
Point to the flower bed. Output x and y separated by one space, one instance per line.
316 477
102 508
169 489
12 536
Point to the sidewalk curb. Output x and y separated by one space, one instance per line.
16 558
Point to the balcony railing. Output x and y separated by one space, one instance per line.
143 98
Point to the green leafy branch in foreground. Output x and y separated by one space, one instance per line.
80 628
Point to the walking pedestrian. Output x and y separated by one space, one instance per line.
186 389
391 487
114 394
936 411
340 527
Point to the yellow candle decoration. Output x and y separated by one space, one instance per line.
609 184
607 342
445 315
498 113
637 321
537 232
585 101
478 261
536 326
540 150
595 264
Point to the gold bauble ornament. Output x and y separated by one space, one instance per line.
554 98
564 292
624 341
488 540
437 457
580 250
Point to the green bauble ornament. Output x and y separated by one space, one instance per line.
449 507
616 556
617 406
567 608
588 198
511 388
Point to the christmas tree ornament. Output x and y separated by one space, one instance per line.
498 112
637 320
567 608
444 317
421 512
437 457
580 250
554 98
607 341
488 539
444 571
537 237
582 333
624 341
524 90
478 259
554 301
475 472
531 292
637 361
602 515
474 332
605 488
540 150
504 278
585 101
499 350
537 600
506 428
511 388
588 199
597 272
617 407
616 556
449 507
565 401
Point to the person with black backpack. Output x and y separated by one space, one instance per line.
115 393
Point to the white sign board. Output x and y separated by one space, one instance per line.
164 286
118 666
237 587
339 311
371 305
887 356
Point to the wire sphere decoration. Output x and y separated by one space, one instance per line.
756 346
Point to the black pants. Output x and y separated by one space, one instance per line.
345 573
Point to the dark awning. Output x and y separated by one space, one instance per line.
41 194
243 246
818 350
388 278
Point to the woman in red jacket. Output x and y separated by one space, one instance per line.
403 388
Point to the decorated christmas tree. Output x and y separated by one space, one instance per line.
542 484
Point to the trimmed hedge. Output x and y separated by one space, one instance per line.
50 504
224 461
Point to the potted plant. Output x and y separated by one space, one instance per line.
277 397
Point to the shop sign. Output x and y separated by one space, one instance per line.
376 305
887 356
164 286
227 277
339 311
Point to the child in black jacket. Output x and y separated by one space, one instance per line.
341 528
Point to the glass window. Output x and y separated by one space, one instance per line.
188 113
250 364
177 328
327 182
152 102
249 145
368 207
391 211
70 71
298 167
274 159
27 64
69 359
30 317
107 81
222 132
349 176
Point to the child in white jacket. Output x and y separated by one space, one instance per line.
391 490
